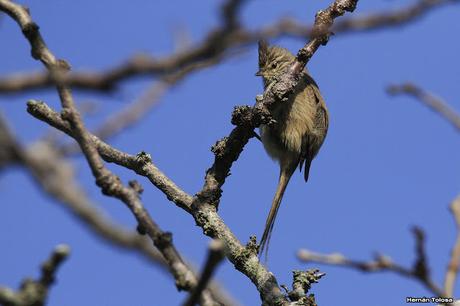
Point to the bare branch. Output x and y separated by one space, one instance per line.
393 18
209 51
35 292
420 267
203 206
361 23
49 267
132 114
301 284
9 154
382 263
228 149
230 10
126 118
109 183
215 256
247 119
231 36
434 103
56 177
141 163
453 266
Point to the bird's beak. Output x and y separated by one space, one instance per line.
259 73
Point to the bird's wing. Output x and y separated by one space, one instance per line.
312 141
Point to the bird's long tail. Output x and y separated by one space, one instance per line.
285 174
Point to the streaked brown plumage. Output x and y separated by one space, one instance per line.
300 128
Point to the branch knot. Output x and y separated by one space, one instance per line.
165 239
301 284
143 158
109 184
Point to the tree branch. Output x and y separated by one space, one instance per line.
9 152
215 256
231 36
134 112
210 50
109 184
435 104
392 18
35 292
140 163
55 176
246 119
382 263
203 207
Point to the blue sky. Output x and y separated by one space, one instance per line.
388 162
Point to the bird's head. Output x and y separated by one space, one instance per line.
273 61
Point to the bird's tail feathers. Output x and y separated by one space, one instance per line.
285 175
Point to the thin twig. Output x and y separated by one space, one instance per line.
382 263
56 177
134 112
215 256
434 103
350 25
9 152
35 292
141 163
392 18
49 267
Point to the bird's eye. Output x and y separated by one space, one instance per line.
274 65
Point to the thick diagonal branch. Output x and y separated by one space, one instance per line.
247 118
56 177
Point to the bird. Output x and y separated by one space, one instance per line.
299 128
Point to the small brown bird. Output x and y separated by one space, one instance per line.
300 128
